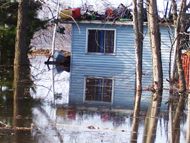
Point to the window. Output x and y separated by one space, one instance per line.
98 89
101 41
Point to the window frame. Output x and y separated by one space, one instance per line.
97 77
98 53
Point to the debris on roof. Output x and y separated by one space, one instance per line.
119 14
122 13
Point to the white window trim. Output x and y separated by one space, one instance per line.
98 101
95 53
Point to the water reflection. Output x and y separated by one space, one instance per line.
151 120
16 104
6 100
136 116
22 113
26 120
176 106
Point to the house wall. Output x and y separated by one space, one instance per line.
165 50
120 66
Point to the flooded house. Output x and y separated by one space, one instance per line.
102 70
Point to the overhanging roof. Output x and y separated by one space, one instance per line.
106 22
70 21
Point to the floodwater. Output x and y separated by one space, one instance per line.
37 120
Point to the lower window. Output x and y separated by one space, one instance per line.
98 89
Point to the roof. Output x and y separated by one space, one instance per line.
97 22
70 21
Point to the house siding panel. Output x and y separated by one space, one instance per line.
120 66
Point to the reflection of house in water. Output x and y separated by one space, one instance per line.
116 117
103 63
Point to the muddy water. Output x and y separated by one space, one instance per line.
37 120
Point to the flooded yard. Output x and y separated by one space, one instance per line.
75 118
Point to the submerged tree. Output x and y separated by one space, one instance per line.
23 35
151 120
154 36
8 26
21 58
136 117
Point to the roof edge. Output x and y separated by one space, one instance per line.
70 21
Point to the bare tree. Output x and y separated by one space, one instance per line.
20 47
154 36
179 26
138 29
21 41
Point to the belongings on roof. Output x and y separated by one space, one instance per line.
68 13
121 13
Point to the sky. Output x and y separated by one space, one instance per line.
97 4
101 5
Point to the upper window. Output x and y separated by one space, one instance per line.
98 89
101 41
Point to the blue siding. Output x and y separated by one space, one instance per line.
120 66
147 62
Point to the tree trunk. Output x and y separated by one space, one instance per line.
21 58
154 34
179 24
21 41
138 29
179 61
174 9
